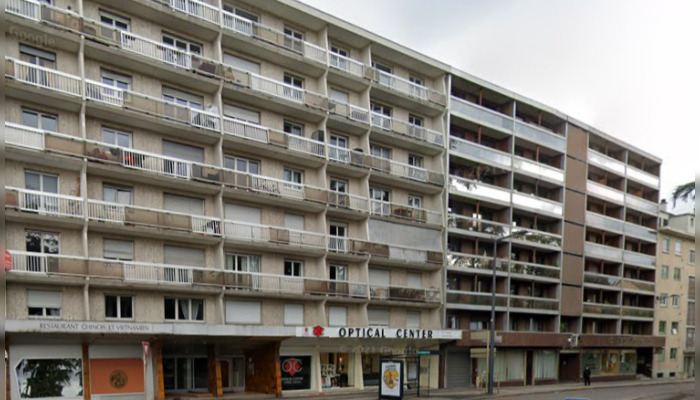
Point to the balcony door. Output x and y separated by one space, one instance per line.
45 183
40 58
232 374
43 243
243 222
185 256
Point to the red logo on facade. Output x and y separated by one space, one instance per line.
291 366
318 330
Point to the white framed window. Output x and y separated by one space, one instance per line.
675 301
339 51
380 151
183 204
40 120
378 317
663 299
382 67
338 234
338 185
116 137
119 307
337 316
379 201
676 274
416 80
338 272
242 164
662 327
293 39
674 328
41 181
44 303
413 319
242 63
293 268
336 150
415 160
294 176
294 80
116 249
243 114
338 229
241 13
182 44
184 309
293 128
183 98
677 250
38 57
243 312
416 120
415 201
243 262
691 256
665 244
664 272
115 21
340 95
42 242
115 79
117 194
294 314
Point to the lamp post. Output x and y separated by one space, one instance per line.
492 328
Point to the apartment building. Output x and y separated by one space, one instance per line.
675 296
230 196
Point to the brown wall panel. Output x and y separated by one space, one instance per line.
577 142
575 207
573 238
572 272
576 174
571 299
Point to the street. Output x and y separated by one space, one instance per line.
645 392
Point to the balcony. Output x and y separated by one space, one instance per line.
642 177
26 8
606 162
540 135
102 211
405 87
474 300
353 118
384 124
537 238
347 201
640 232
197 9
603 252
533 303
538 170
636 285
641 204
474 263
340 245
538 271
637 312
276 190
481 115
56 82
475 189
269 235
479 153
404 212
347 65
406 171
537 204
39 265
469 225
604 222
392 255
632 257
402 293
600 310
605 192
43 203
606 281
342 156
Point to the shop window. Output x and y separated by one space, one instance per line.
294 314
545 364
335 368
185 373
32 378
119 307
184 309
42 303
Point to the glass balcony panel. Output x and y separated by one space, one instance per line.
478 225
642 177
601 279
635 284
604 222
480 153
474 298
594 308
481 114
637 312
605 192
529 269
604 252
640 231
474 188
639 259
540 170
537 203
640 204
605 162
540 136
473 261
534 303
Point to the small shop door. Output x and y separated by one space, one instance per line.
232 374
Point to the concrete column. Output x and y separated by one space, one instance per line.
359 379
317 369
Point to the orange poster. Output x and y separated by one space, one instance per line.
116 375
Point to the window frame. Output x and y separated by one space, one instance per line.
118 189
115 18
118 298
177 301
40 116
296 268
188 42
291 128
117 134
677 274
664 271
247 161
44 309
662 327
104 246
294 81
665 244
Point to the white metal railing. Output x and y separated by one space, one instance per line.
347 64
347 200
339 154
37 263
26 8
402 169
238 24
197 8
313 52
260 183
160 273
381 121
379 207
305 145
423 133
105 211
406 293
24 136
47 203
479 152
402 85
338 244
407 254
275 88
157 163
246 130
156 50
44 77
350 111
104 93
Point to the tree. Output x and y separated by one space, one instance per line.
48 377
683 192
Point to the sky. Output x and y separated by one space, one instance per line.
630 68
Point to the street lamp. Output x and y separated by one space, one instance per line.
492 328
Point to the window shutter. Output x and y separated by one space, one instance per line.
184 256
241 113
118 249
183 204
413 320
243 312
241 63
338 316
414 280
340 96
378 316
235 212
379 276
41 298
293 314
183 151
293 221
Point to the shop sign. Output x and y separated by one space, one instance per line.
87 327
296 372
379 333
391 385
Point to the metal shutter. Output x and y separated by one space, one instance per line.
337 316
241 113
241 63
294 314
183 204
183 151
184 256
235 212
379 277
458 369
243 312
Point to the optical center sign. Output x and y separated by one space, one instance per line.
378 333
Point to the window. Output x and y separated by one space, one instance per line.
665 244
339 51
293 268
294 314
42 242
338 58
242 262
115 21
45 183
182 44
660 354
243 312
336 151
116 137
674 353
241 164
675 301
452 321
378 317
381 116
116 194
293 39
416 120
114 249
677 248
242 64
691 256
416 80
294 176
379 200
40 120
42 303
384 76
340 95
182 98
664 272
380 152
338 185
294 83
663 299
180 151
338 237
184 309
183 204
662 327
242 114
676 274
114 79
337 316
338 272
185 373
413 319
38 57
293 128
120 307
241 13
416 167
674 328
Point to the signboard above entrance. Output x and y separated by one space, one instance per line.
377 332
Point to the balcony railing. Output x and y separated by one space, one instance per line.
387 209
24 136
43 203
197 9
602 279
25 8
604 309
536 236
236 230
537 203
642 176
402 293
466 298
639 231
533 303
481 114
264 33
605 192
602 251
606 162
157 273
638 285
400 84
404 254
418 132
349 111
345 245
641 204
42 77
127 214
538 169
604 222
349 201
472 261
637 312
347 64
478 225
470 187
540 135
244 129
406 170
530 269
480 153
632 257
